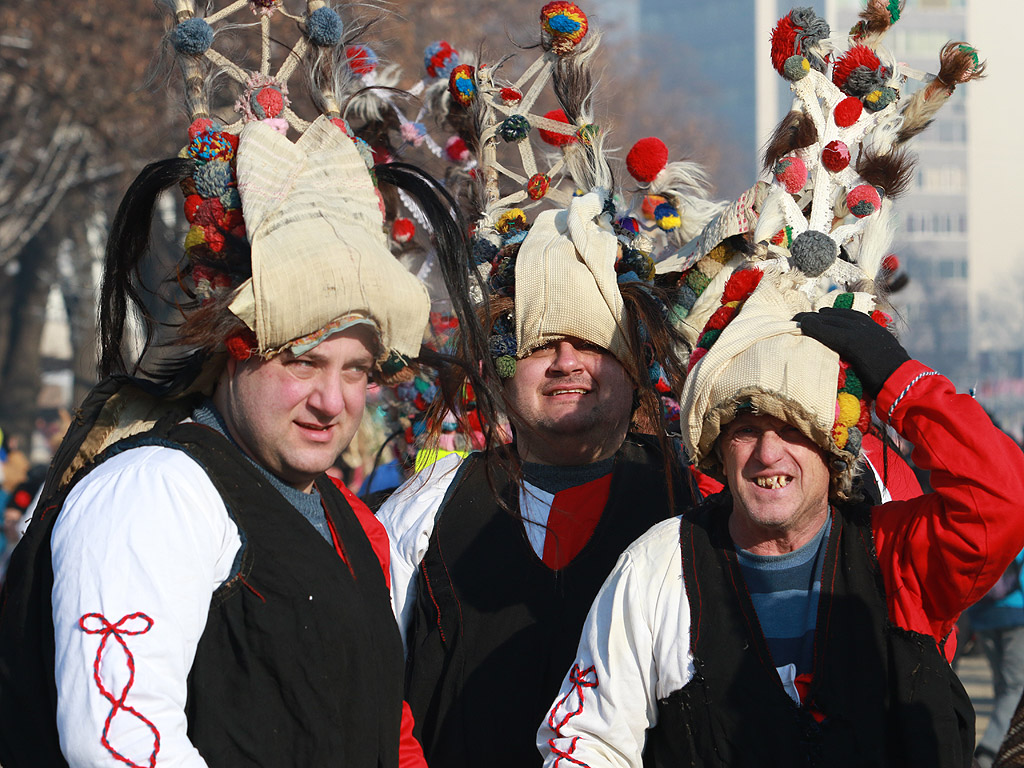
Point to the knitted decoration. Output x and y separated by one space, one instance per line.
553 138
514 129
798 33
791 173
538 186
462 85
738 288
563 26
440 59
863 200
402 230
361 59
324 27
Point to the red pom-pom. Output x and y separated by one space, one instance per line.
271 100
741 284
791 173
402 230
210 211
858 56
511 96
881 318
241 345
647 159
848 111
342 125
361 60
200 125
538 186
192 203
783 42
214 238
864 422
22 499
835 156
456 150
553 138
380 154
843 368
720 318
695 357
890 263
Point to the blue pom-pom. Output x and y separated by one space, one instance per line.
192 37
324 27
628 277
687 297
231 199
213 178
484 251
502 344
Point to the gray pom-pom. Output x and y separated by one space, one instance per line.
687 297
854 440
192 37
862 80
813 252
795 68
324 27
886 96
213 178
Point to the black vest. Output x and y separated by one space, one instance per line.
882 695
300 662
494 630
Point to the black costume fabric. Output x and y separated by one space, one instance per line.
494 629
880 695
300 663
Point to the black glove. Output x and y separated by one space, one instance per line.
869 348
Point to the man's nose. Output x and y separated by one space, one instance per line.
567 358
770 447
327 397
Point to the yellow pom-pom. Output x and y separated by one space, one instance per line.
849 410
195 236
511 218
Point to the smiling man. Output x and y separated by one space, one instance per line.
783 622
492 573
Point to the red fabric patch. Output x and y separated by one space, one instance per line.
574 515
97 624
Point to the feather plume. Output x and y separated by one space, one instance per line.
794 132
958 63
875 20
688 186
892 172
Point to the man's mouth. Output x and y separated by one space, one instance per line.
315 427
773 481
567 391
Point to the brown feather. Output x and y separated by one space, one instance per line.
875 22
891 172
958 63
794 132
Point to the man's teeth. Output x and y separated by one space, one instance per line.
570 391
776 481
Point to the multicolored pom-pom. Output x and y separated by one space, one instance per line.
512 219
666 216
835 156
192 37
554 138
439 58
863 200
414 133
324 27
791 173
514 129
564 25
268 101
646 159
362 59
538 186
462 84
859 71
879 99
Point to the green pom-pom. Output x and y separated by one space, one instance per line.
853 385
697 281
894 10
506 365
844 301
395 362
709 338
796 68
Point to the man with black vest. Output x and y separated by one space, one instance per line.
492 574
782 622
194 590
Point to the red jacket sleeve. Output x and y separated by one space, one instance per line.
896 474
707 485
939 553
410 753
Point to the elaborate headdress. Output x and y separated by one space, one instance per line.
815 236
287 242
583 266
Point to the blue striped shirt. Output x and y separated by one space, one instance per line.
784 590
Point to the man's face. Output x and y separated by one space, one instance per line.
295 415
574 401
779 481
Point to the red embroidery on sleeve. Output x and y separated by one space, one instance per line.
580 679
98 625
